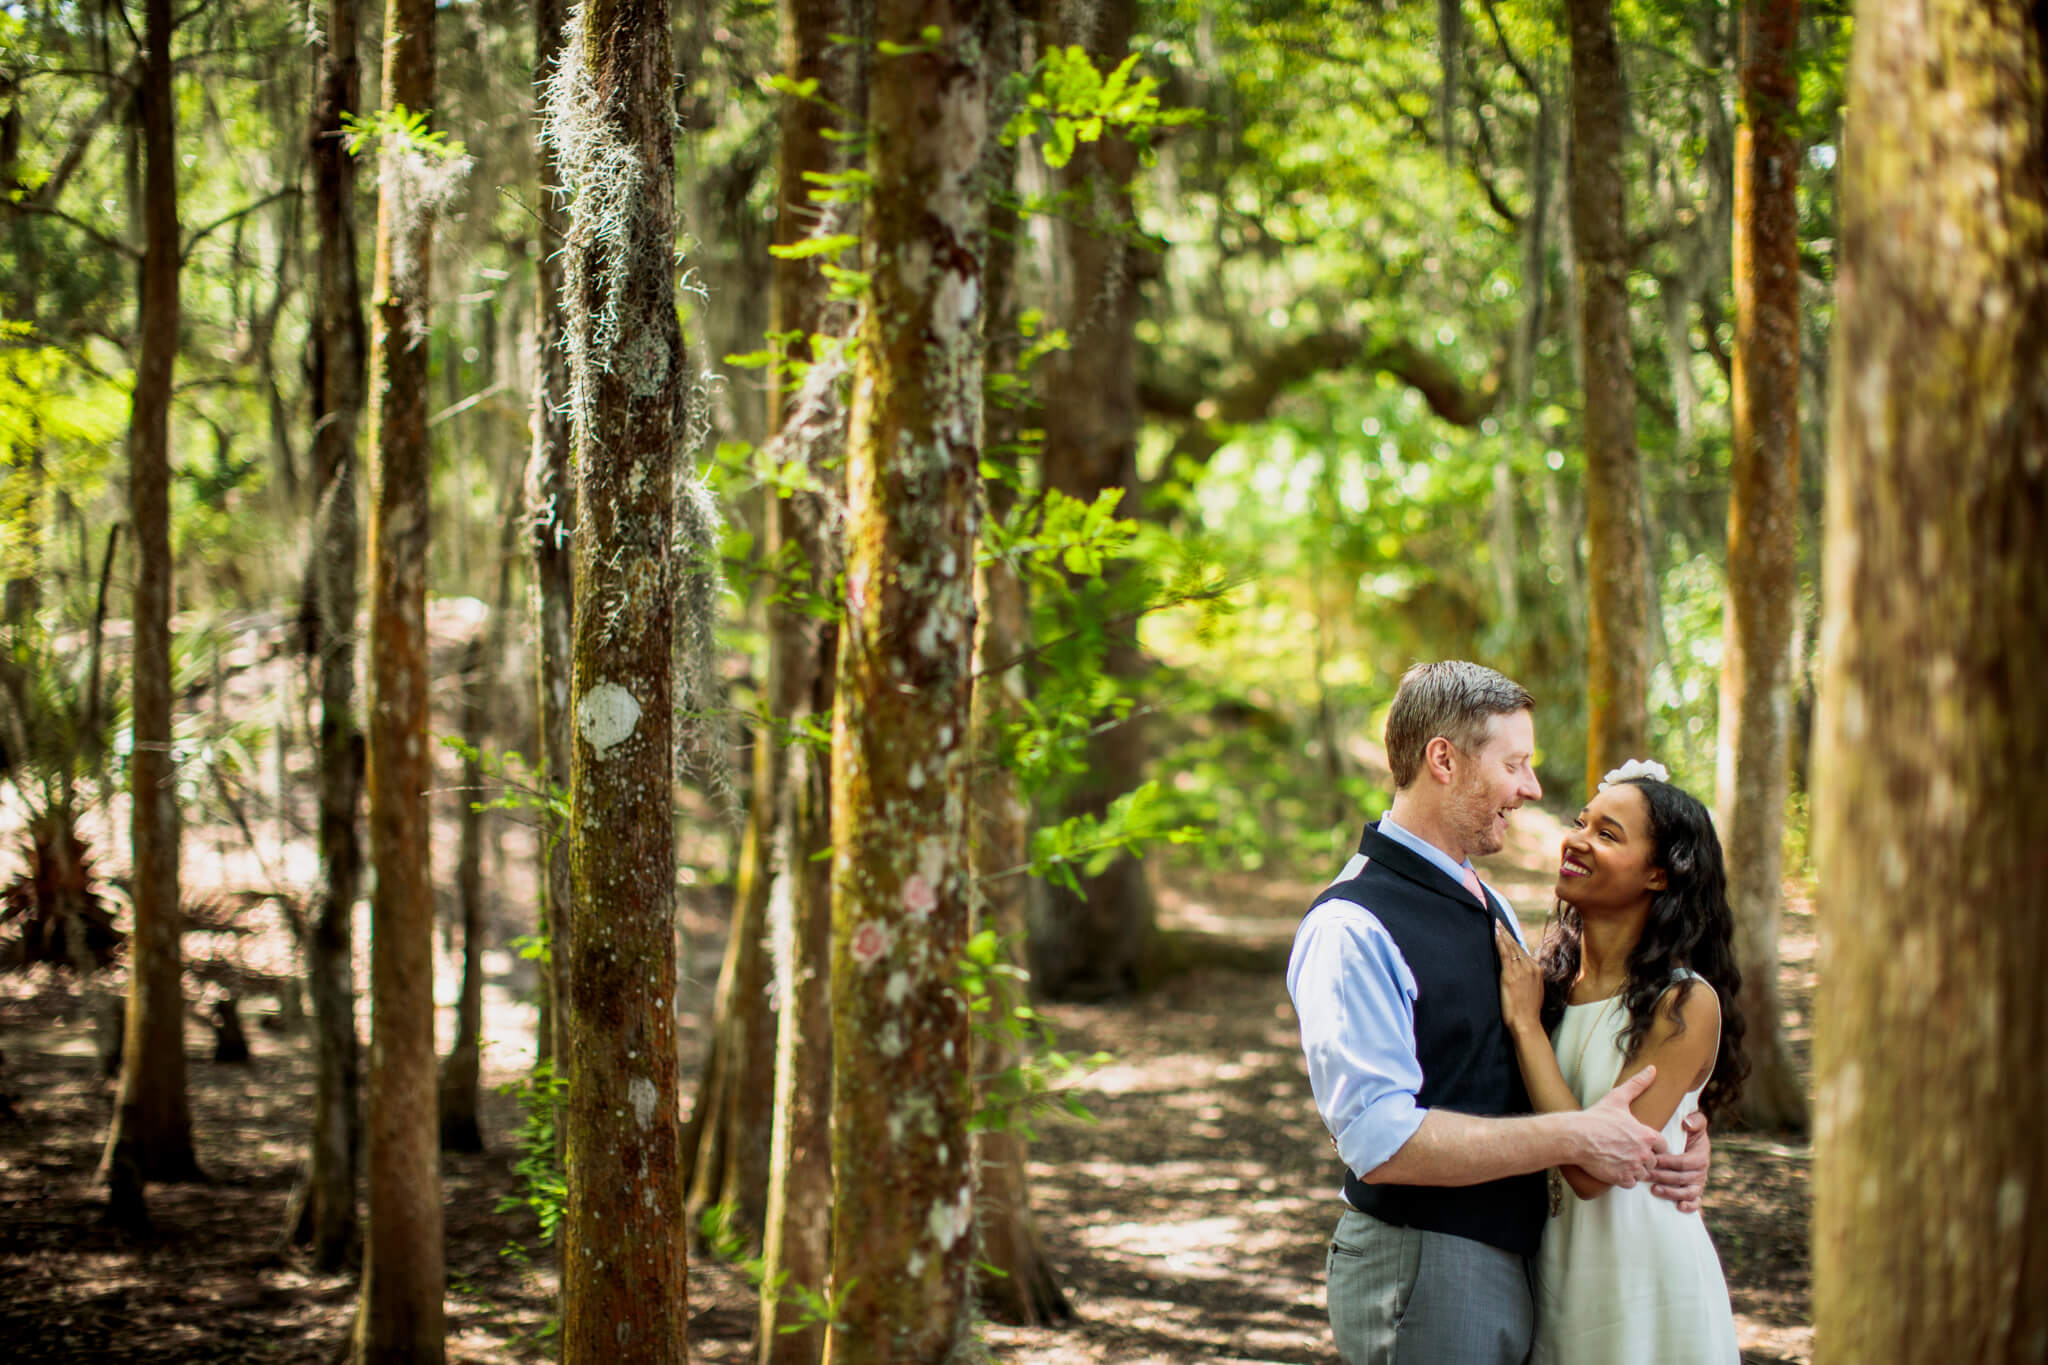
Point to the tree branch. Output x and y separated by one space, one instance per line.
101 239
185 254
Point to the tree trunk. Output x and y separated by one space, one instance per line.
624 1238
551 509
400 1317
151 1137
903 1209
1618 615
1931 805
1763 542
797 1251
1023 1289
1017 1285
1099 944
461 1070
726 1143
325 1205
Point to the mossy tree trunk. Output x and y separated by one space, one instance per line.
624 1245
802 534
151 1136
1098 944
1763 544
903 1206
324 1212
1618 606
401 1316
1931 800
551 514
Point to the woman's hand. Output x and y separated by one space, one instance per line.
1521 983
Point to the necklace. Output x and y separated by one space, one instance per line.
1556 1177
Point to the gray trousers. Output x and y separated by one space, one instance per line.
1401 1296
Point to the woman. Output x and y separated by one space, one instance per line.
1638 972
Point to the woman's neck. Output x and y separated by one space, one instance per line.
1603 954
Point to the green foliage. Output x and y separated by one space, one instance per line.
543 1187
1039 1077
1082 846
399 130
1065 100
720 1231
518 785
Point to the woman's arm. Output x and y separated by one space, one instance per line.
1681 1044
1521 1006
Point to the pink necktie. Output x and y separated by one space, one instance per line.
1472 885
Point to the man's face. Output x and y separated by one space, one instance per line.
1491 781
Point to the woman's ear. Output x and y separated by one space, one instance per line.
1658 879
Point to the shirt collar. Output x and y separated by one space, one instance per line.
1415 843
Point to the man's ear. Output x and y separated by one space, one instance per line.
1437 758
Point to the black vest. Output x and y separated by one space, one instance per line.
1467 1056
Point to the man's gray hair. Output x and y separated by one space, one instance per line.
1452 698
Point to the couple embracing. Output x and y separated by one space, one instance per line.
1523 1149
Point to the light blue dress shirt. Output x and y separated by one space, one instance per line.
1355 998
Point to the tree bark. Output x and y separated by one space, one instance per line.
903 1209
796 1250
400 1316
1618 614
151 1136
1763 540
1016 1283
1931 804
551 511
461 1069
324 1212
1023 1289
625 1296
1099 944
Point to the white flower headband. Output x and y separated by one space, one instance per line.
1636 767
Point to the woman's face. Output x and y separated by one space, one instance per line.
1609 855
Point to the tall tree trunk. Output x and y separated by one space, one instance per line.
324 1212
903 1208
461 1070
624 1237
1931 806
1023 1288
551 511
1017 1285
1763 543
1099 943
1618 616
400 1316
726 1143
796 1243
151 1137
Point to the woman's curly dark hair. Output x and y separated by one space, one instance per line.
1690 925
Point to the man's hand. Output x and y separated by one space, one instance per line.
1619 1149
1681 1177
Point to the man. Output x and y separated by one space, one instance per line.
1394 978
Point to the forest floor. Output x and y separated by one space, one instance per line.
1186 1221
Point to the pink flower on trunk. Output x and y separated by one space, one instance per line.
870 942
918 897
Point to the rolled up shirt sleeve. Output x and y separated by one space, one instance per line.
1355 998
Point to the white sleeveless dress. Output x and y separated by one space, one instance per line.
1625 1278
